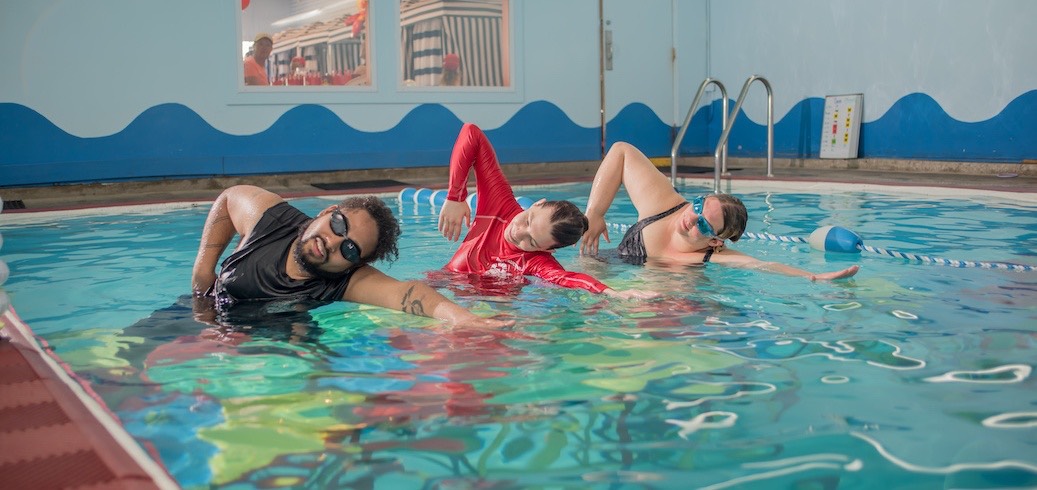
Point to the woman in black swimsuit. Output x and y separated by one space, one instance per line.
668 227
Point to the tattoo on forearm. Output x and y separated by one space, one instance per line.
412 305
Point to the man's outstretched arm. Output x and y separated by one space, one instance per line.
372 287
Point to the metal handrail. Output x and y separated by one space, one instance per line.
684 129
721 144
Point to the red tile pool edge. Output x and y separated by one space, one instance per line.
54 431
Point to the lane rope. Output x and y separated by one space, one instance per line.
852 243
837 239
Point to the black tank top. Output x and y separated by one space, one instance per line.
257 270
632 247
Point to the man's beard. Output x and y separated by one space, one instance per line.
312 269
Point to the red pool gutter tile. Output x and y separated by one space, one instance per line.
54 431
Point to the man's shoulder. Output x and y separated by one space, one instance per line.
284 212
275 217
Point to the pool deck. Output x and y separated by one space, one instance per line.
1017 178
55 433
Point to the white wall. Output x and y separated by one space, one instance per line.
973 57
92 67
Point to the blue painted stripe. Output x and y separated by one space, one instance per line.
170 140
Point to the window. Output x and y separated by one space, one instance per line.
306 42
455 43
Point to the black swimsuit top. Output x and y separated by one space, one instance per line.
632 247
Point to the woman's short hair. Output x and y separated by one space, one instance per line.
568 223
388 227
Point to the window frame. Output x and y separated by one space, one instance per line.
386 71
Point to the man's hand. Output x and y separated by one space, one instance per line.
203 310
201 281
475 321
453 217
631 294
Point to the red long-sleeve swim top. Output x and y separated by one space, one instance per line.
484 250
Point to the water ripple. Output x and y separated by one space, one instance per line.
700 421
1011 373
1012 420
944 470
765 388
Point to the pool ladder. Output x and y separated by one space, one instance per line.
720 154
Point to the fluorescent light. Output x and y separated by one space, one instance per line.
326 10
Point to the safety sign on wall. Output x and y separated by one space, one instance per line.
841 126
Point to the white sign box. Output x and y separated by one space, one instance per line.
841 126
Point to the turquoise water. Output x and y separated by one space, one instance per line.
907 375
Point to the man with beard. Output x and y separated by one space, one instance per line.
284 254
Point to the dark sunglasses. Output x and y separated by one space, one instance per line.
704 227
340 227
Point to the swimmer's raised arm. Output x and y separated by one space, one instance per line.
650 191
235 212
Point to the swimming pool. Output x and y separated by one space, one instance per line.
912 374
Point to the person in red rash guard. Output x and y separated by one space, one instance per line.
504 240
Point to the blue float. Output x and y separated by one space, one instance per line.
407 194
524 201
437 198
835 239
472 200
421 195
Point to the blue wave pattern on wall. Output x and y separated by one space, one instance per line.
171 140
915 127
541 132
638 124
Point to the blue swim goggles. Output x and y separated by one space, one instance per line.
704 227
340 227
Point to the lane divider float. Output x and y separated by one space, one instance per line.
839 239
438 197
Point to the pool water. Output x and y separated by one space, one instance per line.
907 375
